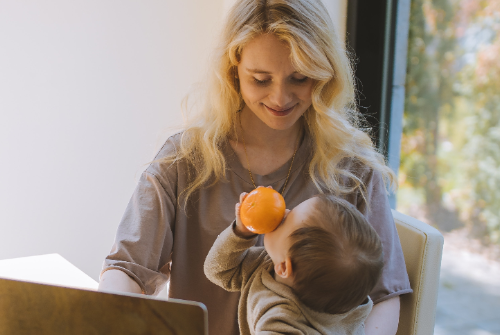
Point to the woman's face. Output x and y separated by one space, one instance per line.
271 87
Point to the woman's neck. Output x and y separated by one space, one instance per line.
261 149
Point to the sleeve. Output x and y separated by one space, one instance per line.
394 279
232 260
144 238
280 320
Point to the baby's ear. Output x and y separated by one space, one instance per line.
284 269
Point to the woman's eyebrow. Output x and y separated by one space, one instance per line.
258 71
262 71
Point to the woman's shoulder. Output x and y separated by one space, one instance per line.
372 179
357 167
170 147
165 160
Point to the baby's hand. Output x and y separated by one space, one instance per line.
239 228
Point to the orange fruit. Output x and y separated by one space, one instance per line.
262 210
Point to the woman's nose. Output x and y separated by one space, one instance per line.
280 96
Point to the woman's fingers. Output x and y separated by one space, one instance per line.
243 196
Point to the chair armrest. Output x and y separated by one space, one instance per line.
422 248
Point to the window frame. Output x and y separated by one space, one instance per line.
377 34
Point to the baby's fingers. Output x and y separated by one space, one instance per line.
243 196
237 210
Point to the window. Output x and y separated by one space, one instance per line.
450 151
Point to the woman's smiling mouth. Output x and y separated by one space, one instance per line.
280 112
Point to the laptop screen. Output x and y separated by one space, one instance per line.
32 308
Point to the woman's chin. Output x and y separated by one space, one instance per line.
283 124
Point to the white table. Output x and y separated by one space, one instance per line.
50 269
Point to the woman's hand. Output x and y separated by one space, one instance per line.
239 228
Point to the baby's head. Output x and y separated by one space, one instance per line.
328 253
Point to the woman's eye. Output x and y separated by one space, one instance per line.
260 82
300 80
268 81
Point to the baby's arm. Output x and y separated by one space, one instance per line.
230 261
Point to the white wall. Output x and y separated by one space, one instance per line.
338 12
88 89
88 92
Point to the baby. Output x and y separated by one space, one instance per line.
312 276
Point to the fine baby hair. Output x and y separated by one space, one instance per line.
337 258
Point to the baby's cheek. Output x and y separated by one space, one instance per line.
270 243
266 242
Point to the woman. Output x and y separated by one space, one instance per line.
279 111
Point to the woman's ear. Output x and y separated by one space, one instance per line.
284 269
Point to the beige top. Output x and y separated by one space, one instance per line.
267 306
158 239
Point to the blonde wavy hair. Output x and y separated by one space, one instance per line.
332 121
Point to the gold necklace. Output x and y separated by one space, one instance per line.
248 162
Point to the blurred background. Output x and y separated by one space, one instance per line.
451 136
90 90
449 172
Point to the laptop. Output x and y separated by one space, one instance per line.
34 308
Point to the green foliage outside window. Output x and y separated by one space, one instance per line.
450 159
